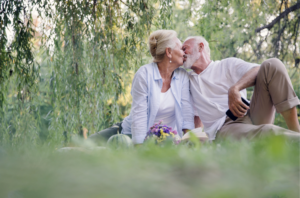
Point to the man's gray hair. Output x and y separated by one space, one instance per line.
200 39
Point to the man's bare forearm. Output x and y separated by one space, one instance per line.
235 104
248 80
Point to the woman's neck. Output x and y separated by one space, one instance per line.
166 69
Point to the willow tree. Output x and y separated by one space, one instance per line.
16 57
97 43
19 70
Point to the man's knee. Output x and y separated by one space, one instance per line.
273 70
273 64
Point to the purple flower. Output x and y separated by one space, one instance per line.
155 130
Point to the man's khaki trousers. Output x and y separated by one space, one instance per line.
273 91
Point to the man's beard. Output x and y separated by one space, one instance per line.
191 59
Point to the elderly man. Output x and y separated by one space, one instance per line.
217 86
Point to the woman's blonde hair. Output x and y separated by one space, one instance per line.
159 41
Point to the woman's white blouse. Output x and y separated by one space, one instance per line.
145 91
166 110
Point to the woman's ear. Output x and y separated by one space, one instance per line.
169 52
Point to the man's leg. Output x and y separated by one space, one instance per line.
243 128
291 118
273 90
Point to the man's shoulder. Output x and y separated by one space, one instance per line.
231 60
234 62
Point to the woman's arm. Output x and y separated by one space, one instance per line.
186 105
139 92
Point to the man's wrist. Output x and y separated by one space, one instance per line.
234 88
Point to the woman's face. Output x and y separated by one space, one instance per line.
177 53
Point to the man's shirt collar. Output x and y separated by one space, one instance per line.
195 74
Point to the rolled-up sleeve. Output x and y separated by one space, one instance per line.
237 68
186 105
139 92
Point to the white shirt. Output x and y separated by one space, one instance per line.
210 88
166 110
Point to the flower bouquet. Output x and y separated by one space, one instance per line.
162 133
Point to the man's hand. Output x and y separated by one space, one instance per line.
235 103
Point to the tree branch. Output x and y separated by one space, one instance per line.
283 14
297 61
124 3
296 30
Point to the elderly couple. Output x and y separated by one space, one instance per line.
185 100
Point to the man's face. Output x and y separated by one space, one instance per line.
191 53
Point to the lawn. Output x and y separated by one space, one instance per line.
266 168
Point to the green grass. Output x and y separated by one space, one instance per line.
267 168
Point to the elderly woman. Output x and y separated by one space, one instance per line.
160 91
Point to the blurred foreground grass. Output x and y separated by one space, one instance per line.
267 168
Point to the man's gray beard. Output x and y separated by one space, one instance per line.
190 60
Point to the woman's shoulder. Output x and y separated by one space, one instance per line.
149 69
145 69
181 72
148 66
